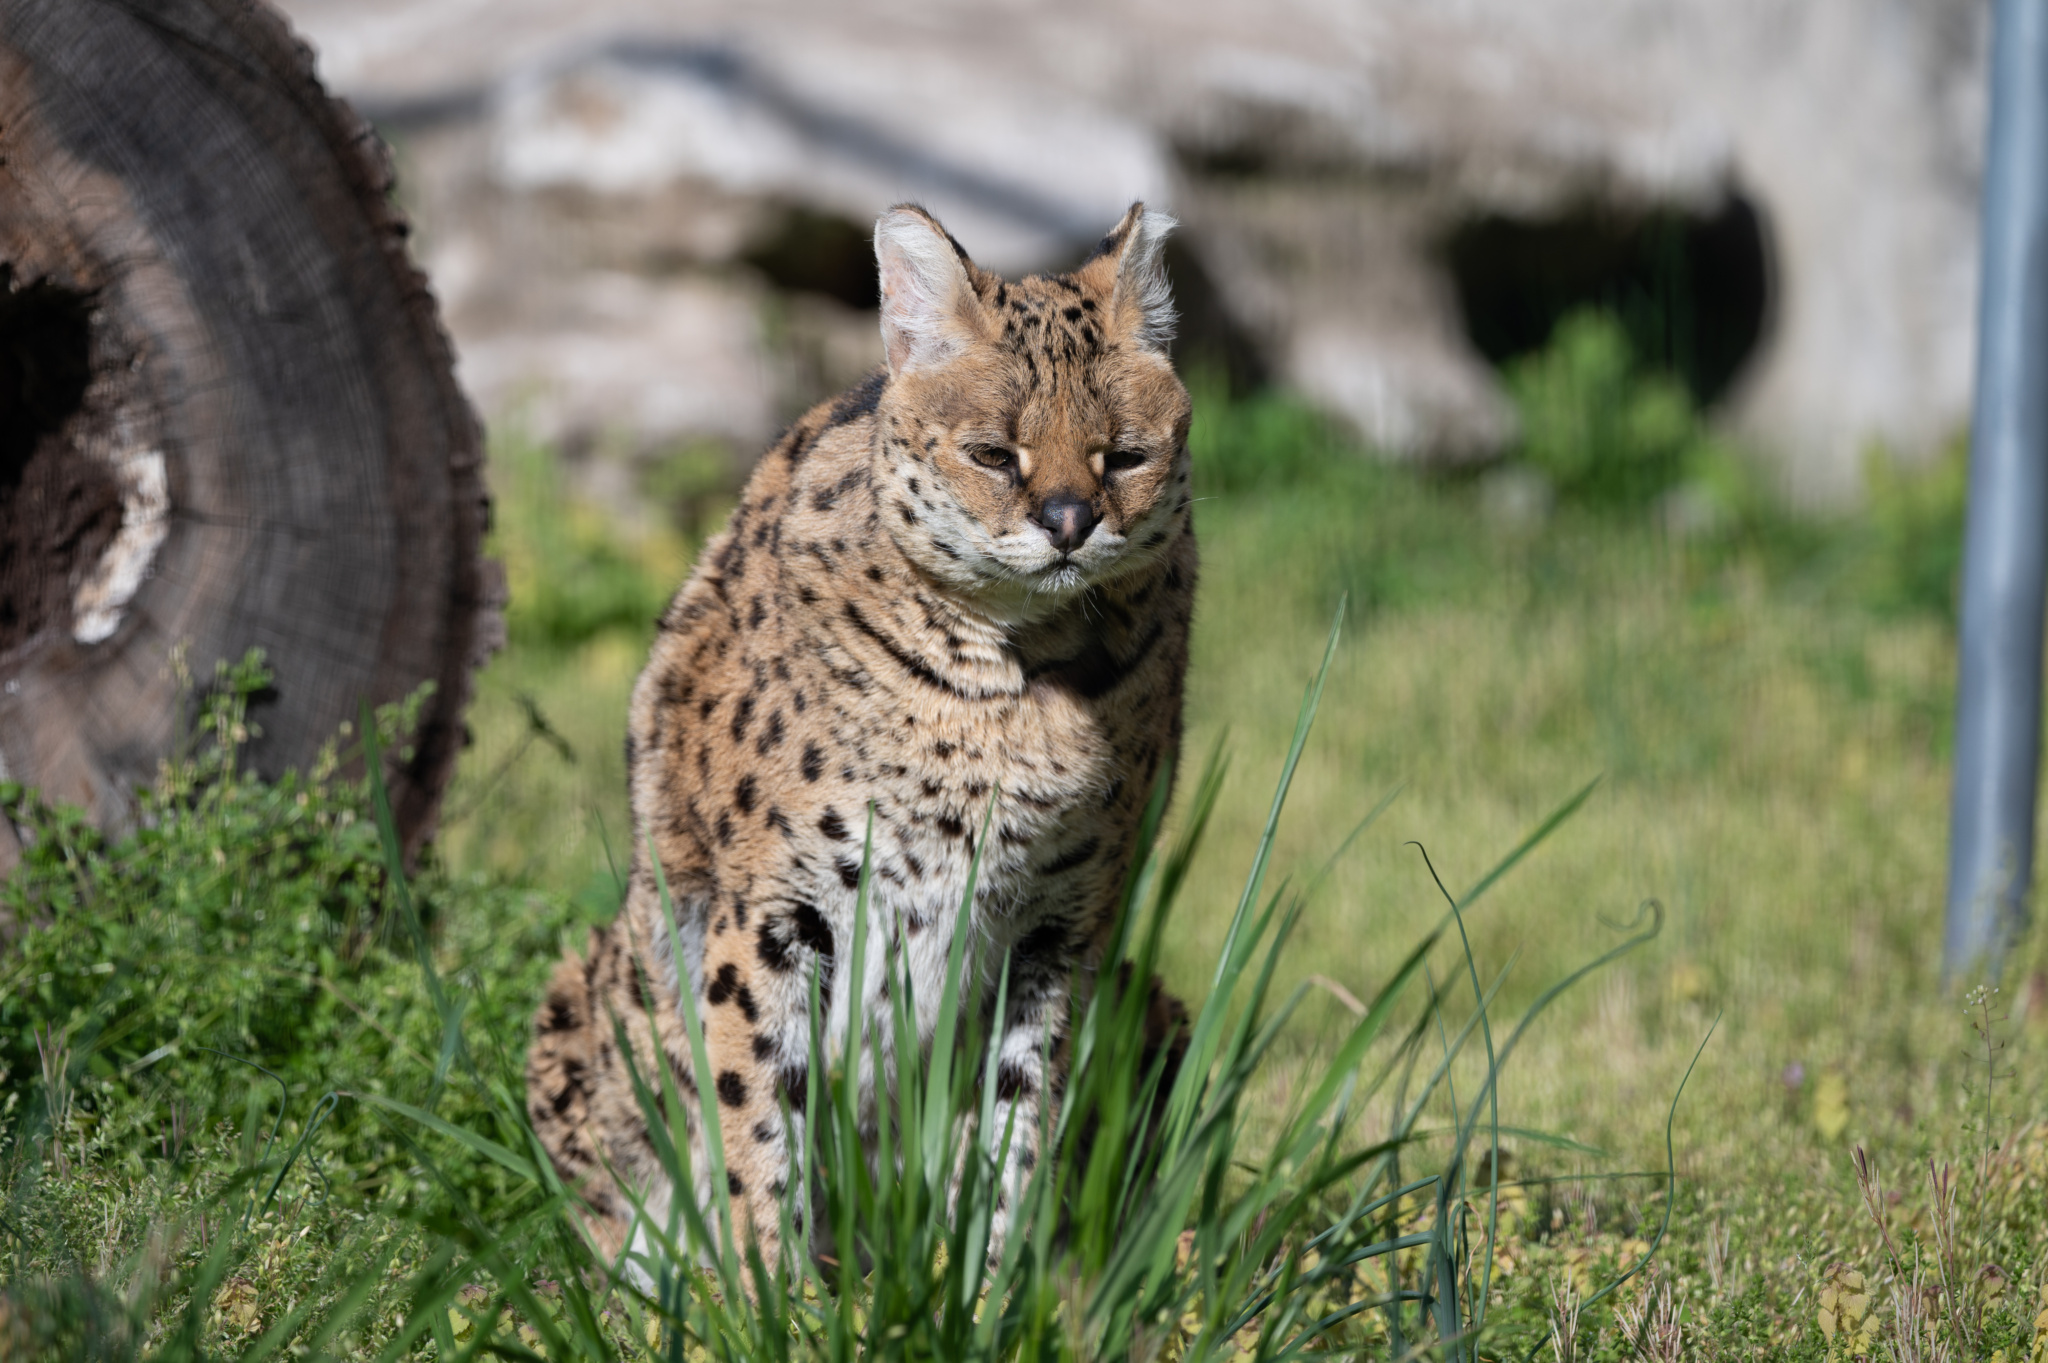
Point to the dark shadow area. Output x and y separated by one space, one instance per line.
823 253
1691 290
45 365
58 511
1209 340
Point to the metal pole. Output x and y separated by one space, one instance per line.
1998 692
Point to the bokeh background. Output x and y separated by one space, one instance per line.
1608 359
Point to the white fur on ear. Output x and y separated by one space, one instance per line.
924 290
1141 282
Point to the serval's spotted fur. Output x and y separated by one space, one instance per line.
967 579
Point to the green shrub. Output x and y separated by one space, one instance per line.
1607 430
177 1005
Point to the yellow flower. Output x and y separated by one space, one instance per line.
1831 1106
1845 1312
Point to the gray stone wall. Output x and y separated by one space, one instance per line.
616 196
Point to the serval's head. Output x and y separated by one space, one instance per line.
1032 435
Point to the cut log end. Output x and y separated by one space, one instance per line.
228 413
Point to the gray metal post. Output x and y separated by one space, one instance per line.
1998 693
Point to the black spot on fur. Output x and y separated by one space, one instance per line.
1077 857
764 1132
572 1086
722 984
560 1016
849 873
951 826
1109 245
827 497
732 1089
1046 942
862 401
748 1008
773 951
733 1184
813 931
903 659
764 1047
742 716
1012 1082
1094 672
832 826
794 1080
814 762
724 828
746 793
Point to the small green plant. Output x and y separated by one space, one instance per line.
1609 431
1944 1286
573 573
1914 531
1267 440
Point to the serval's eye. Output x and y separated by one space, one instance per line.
991 456
1120 458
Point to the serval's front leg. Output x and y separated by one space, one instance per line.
757 1040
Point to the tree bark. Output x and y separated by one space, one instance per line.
228 412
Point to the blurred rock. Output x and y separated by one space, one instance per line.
664 359
1382 197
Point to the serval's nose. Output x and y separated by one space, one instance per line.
1067 520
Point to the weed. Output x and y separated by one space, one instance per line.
1169 1220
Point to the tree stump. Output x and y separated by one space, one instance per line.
228 412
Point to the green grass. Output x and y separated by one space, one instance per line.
1765 704
407 1208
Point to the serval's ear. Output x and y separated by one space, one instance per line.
929 310
1141 296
